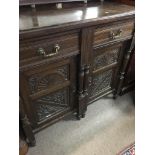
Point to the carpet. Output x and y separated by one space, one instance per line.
130 150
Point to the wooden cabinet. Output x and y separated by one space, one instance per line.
66 66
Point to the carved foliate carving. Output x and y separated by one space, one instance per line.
100 82
106 58
64 71
38 82
52 104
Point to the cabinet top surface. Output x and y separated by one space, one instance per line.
48 16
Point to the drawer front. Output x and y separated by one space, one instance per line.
46 48
49 91
112 33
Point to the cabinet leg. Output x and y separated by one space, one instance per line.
32 142
26 125
78 117
83 115
28 131
115 95
81 107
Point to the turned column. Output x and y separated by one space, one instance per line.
124 67
84 67
81 96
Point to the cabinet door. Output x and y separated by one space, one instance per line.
49 91
104 69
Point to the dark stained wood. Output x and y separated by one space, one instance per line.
84 60
54 21
86 72
26 125
23 146
128 2
81 96
69 44
70 58
124 67
113 32
105 66
51 84
129 77
31 2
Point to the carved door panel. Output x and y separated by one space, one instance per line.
101 83
104 68
49 91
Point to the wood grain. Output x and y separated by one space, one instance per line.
86 67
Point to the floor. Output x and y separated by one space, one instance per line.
107 128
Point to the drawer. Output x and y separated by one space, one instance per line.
48 48
112 33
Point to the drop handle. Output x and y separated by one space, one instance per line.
55 51
116 35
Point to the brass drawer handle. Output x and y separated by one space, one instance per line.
55 51
116 35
